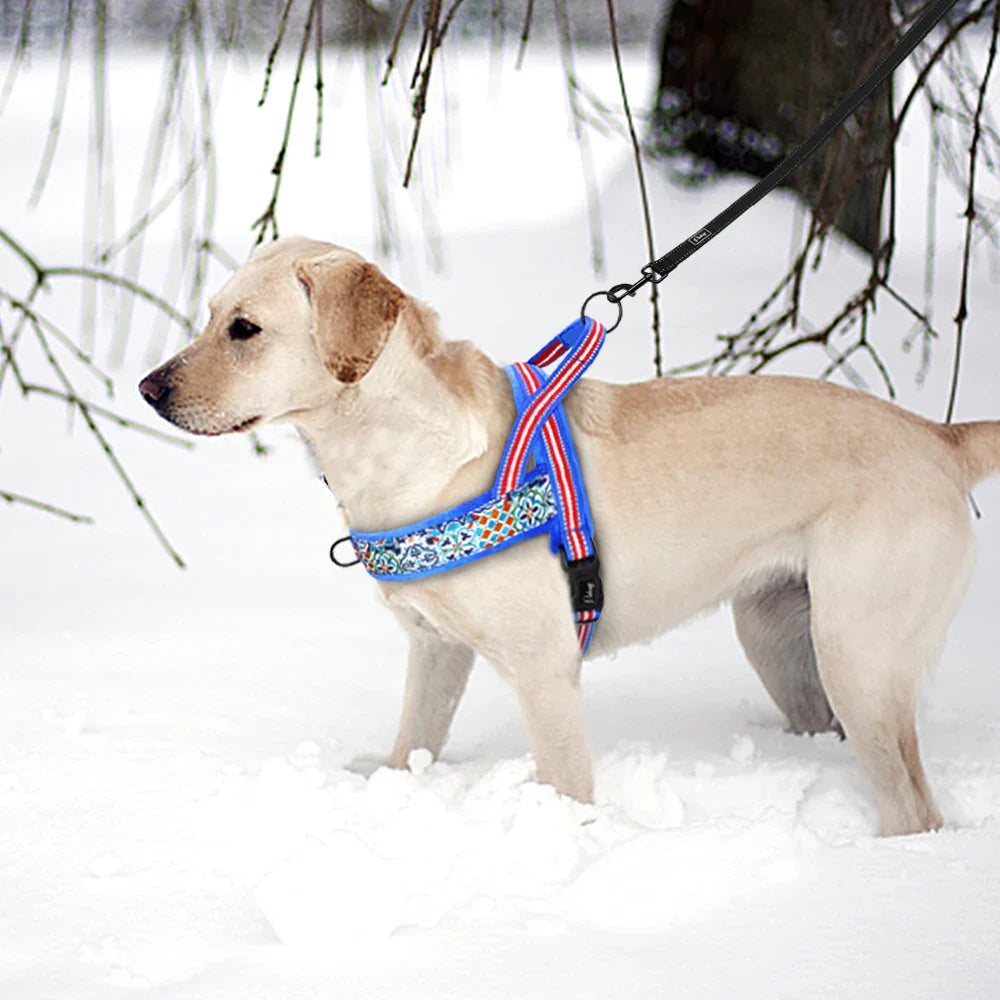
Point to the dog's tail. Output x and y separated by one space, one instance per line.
978 445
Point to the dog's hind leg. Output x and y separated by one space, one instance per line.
436 674
772 623
883 595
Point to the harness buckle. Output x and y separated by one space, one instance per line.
586 591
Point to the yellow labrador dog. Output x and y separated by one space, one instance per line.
835 523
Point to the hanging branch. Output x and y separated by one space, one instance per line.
974 16
643 195
41 322
525 31
33 389
151 214
59 106
42 274
62 357
970 218
497 32
140 291
29 313
99 202
20 49
272 54
206 159
421 80
49 336
47 507
85 412
767 336
268 219
582 139
434 30
319 78
163 126
922 327
397 37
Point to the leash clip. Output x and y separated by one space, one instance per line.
617 293
649 274
586 591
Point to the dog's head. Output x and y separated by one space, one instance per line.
298 320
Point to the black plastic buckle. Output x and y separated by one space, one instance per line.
586 591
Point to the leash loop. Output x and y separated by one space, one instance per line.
613 296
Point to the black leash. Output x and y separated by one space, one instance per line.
657 270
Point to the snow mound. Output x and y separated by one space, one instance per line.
335 859
330 890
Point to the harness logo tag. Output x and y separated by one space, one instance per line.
700 237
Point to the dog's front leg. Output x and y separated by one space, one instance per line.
436 673
548 688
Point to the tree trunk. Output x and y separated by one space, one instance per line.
743 81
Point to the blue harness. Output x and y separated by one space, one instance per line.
538 488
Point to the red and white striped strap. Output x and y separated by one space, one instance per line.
580 358
541 413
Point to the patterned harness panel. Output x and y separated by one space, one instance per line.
459 536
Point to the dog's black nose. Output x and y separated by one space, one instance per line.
155 389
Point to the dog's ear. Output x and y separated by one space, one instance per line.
355 307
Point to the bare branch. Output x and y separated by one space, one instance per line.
397 37
269 219
525 31
973 17
108 277
30 388
20 48
970 218
421 80
55 121
767 336
47 507
29 259
85 412
220 254
19 305
151 214
272 55
319 77
644 197
163 125
582 139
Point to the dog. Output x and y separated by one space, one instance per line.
835 523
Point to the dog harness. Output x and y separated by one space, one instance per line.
538 488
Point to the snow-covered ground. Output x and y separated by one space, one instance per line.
192 802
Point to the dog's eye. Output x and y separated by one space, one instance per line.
242 329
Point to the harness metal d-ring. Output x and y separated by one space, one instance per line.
333 553
609 295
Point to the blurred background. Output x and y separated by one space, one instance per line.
149 146
169 739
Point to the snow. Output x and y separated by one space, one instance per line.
193 801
